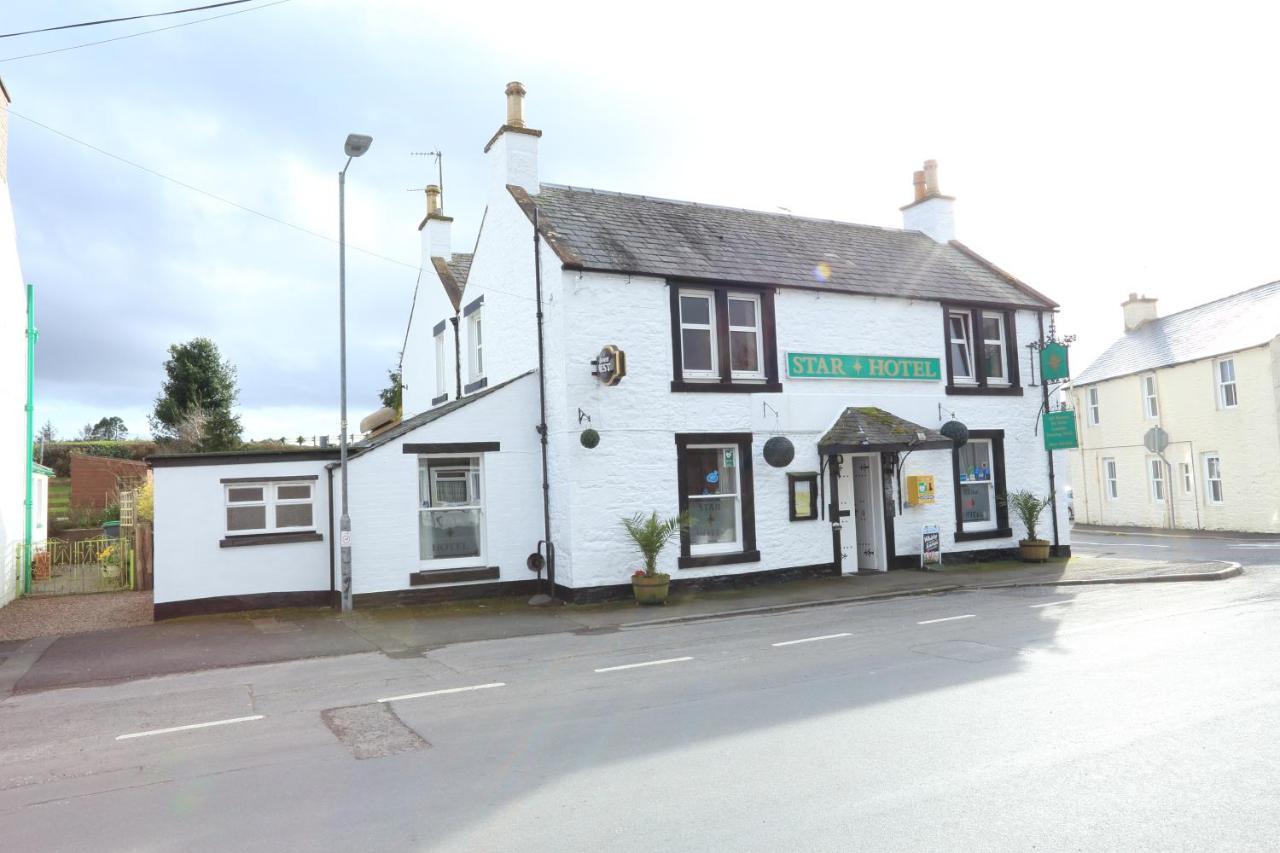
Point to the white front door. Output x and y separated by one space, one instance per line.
848 533
866 512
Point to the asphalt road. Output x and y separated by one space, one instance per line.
1097 718
1246 550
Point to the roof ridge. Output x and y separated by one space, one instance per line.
769 213
1203 305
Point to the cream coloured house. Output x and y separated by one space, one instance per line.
1209 377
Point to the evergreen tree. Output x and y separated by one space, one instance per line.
198 382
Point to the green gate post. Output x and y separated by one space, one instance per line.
32 334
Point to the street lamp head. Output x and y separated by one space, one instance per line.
357 144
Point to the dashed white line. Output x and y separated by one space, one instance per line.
812 639
443 692
646 663
1052 603
190 727
946 619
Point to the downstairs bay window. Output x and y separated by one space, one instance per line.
451 509
714 473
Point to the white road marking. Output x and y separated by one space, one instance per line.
812 639
646 663
1255 545
190 727
947 619
1052 603
443 692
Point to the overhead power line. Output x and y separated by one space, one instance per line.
204 192
143 33
129 18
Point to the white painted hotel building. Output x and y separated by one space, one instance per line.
850 345
1209 377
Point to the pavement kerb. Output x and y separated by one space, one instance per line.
1231 571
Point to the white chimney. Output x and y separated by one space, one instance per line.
1138 310
931 212
513 150
435 230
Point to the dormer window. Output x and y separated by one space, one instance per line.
982 350
722 339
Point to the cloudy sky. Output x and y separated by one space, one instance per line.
1094 149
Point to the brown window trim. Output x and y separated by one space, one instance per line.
746 486
233 541
726 383
981 388
1002 531
811 478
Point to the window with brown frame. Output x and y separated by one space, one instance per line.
717 499
981 345
723 338
977 469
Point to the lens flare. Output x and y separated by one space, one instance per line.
822 272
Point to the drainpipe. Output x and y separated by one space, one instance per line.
457 357
32 334
1053 489
542 413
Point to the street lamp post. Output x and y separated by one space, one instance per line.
356 145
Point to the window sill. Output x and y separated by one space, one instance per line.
435 401
986 391
977 535
475 386
696 562
233 541
438 576
738 387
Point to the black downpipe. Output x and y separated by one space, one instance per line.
542 413
1053 489
457 357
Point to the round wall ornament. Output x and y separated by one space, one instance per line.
779 451
957 432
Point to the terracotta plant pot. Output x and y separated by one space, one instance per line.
1034 550
650 590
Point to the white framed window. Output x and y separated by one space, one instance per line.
1112 480
268 507
1155 473
1213 478
450 509
977 485
994 353
715 499
1095 411
961 342
1225 370
746 336
698 348
441 377
1150 405
475 346
1188 484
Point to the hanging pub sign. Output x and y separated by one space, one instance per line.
610 365
930 546
807 365
1060 430
1053 362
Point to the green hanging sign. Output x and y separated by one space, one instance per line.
1053 362
1060 431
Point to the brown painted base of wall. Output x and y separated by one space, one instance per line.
444 593
984 555
615 592
234 603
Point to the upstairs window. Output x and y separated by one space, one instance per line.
1150 405
475 347
723 339
981 350
1095 411
441 378
1226 371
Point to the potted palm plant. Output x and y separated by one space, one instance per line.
1028 508
650 535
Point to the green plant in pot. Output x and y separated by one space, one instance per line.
1029 508
650 535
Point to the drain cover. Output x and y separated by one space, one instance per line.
371 731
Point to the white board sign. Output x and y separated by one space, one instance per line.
930 546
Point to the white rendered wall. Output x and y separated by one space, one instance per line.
384 491
418 364
190 521
634 469
933 216
1246 438
13 386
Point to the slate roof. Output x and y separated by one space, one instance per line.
453 275
1246 319
606 231
868 429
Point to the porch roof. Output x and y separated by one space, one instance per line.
867 429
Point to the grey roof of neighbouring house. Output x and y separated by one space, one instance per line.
872 430
606 231
1240 321
453 275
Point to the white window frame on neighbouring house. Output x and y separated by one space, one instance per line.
1150 397
999 343
475 346
1224 370
709 327
1213 493
272 495
1111 478
1095 411
1155 479
451 469
1188 484
964 340
441 377
756 330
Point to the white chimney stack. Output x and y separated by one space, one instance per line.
435 230
1138 310
930 212
513 150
